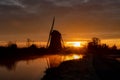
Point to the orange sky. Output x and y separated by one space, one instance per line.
75 19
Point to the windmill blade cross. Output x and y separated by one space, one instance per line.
51 31
52 25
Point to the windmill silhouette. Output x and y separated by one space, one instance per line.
55 41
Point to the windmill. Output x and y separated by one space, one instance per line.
55 39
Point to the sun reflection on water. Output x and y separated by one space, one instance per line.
55 60
73 57
36 65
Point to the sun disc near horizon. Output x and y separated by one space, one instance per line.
74 44
77 44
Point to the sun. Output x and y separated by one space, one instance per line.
77 44
74 44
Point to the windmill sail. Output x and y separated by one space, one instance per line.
51 31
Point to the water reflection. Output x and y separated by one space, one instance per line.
9 64
25 70
73 56
32 67
55 60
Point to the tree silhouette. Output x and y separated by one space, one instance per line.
94 44
114 47
12 45
96 41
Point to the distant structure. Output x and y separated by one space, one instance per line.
29 42
55 39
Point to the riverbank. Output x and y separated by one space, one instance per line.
88 68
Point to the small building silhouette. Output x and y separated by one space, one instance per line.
56 41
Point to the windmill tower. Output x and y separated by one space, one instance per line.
55 39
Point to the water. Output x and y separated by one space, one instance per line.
32 68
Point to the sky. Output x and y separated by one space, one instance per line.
75 19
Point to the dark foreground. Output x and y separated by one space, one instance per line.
96 65
88 68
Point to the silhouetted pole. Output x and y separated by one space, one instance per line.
63 43
28 42
50 32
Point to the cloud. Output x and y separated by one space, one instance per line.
67 3
20 6
11 3
40 6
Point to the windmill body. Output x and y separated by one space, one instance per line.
55 42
